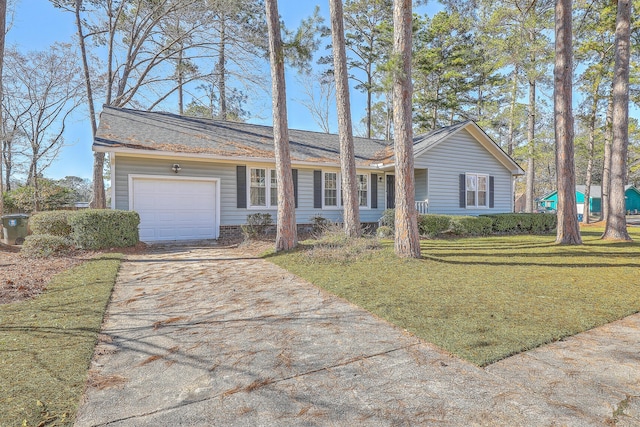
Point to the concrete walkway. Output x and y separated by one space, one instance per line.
214 337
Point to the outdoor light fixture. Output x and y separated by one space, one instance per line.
380 178
176 167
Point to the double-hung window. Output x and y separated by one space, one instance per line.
363 187
331 186
477 190
332 190
263 189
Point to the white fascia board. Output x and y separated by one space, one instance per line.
203 157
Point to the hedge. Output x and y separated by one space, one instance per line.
431 225
45 245
471 226
54 223
522 223
103 229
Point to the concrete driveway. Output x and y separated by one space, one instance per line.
211 336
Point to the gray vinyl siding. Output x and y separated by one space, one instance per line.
460 154
226 173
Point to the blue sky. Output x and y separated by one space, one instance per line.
37 25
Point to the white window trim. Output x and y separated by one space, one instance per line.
339 204
368 177
477 175
268 205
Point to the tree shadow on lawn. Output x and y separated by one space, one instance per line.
562 262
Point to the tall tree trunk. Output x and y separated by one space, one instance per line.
568 231
180 81
434 112
369 101
114 16
99 197
616 228
388 117
606 164
7 163
36 194
286 237
222 72
369 88
512 113
531 129
3 15
351 208
591 150
407 239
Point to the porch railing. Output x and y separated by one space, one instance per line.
422 207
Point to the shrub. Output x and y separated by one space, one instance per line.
504 223
334 246
470 226
256 225
45 245
388 218
541 223
431 225
49 196
320 224
103 228
529 223
54 223
384 232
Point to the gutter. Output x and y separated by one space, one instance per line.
203 157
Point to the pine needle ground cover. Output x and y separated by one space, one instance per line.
485 299
46 344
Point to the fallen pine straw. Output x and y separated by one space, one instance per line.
46 344
485 299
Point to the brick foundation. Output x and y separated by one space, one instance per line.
234 232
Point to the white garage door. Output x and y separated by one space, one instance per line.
175 209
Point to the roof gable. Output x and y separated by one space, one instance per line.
423 143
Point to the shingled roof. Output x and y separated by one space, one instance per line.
157 131
123 129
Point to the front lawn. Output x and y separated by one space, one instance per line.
484 299
46 344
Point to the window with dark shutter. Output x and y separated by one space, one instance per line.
294 173
463 191
317 189
241 186
491 193
374 191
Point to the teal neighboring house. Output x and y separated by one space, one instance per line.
631 193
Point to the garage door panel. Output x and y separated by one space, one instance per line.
175 209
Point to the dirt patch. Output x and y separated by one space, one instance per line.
23 278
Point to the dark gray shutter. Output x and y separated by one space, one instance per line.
374 191
491 197
463 191
294 173
317 189
241 184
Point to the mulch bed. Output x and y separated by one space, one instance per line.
22 278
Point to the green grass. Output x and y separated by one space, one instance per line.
485 299
46 345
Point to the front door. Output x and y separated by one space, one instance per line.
391 191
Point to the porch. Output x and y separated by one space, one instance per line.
421 179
